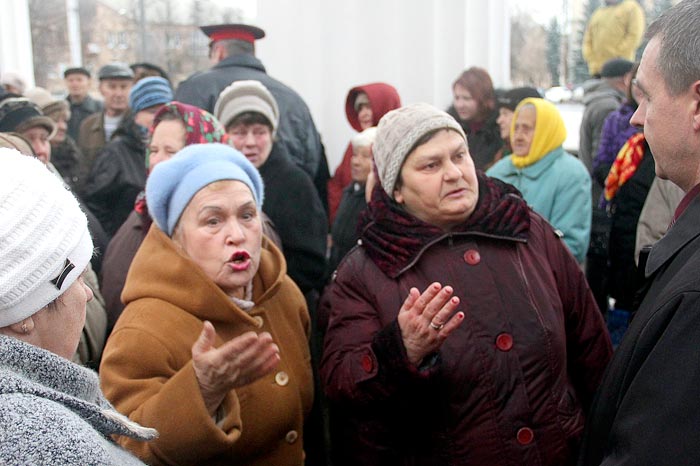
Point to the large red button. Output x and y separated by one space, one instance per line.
504 342
525 436
367 363
472 257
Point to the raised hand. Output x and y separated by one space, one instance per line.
236 363
427 319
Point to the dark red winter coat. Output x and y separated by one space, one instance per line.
510 386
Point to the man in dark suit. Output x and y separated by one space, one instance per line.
647 411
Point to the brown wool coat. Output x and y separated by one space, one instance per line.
91 138
147 370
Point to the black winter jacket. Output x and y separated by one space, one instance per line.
117 176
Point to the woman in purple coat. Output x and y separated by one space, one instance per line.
462 330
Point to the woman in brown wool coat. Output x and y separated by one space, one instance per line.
212 347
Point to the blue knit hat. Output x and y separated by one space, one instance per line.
148 92
172 184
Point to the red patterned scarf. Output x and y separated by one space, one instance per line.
200 127
625 164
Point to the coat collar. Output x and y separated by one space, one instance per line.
185 285
243 59
395 239
535 170
681 233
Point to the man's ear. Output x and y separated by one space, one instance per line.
217 53
695 95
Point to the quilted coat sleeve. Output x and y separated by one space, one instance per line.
364 360
588 344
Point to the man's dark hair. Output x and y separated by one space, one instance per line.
237 47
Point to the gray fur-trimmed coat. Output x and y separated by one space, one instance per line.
53 412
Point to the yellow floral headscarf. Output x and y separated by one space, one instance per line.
550 131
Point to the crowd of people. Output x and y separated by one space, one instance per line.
182 281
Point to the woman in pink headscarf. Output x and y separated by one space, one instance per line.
175 126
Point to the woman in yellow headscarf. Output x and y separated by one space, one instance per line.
554 183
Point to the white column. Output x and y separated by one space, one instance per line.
16 40
322 48
74 39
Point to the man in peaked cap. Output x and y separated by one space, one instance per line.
96 130
232 52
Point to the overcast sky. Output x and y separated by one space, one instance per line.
541 10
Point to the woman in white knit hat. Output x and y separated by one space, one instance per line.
51 410
462 330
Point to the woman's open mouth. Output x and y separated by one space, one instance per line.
239 261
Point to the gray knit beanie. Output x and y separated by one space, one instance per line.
397 133
246 96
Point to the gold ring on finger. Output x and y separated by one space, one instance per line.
435 326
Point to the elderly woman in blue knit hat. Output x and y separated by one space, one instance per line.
51 410
211 348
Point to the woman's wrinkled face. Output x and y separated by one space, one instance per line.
57 327
254 141
465 105
524 130
221 231
167 139
38 137
438 183
365 116
61 128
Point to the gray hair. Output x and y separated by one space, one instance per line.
679 47
237 47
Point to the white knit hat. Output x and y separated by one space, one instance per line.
397 133
246 96
44 240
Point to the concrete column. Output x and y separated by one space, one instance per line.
16 41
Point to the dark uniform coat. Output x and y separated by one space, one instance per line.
296 131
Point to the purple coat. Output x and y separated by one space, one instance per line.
616 131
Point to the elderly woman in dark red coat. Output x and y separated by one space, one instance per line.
462 331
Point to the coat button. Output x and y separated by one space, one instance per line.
291 436
367 363
472 257
258 321
281 378
504 342
525 436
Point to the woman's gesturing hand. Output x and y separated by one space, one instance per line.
236 363
427 319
